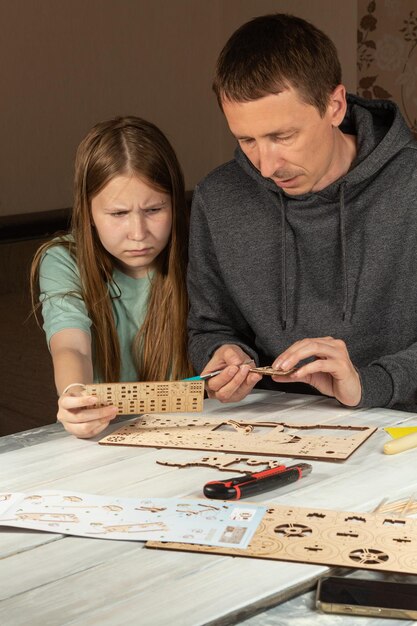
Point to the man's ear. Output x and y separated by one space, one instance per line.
337 105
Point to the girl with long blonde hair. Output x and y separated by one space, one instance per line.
112 291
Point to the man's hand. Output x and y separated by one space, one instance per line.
332 372
235 382
77 414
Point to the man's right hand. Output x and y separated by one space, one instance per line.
235 381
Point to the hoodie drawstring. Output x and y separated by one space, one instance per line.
343 250
283 263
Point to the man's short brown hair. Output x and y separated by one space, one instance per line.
272 53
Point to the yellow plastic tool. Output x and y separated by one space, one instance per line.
400 431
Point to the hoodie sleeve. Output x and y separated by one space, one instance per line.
214 318
391 380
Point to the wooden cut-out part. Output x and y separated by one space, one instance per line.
150 397
271 371
268 438
225 462
325 537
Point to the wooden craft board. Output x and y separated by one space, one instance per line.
150 397
269 438
325 537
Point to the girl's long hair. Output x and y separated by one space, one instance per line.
130 145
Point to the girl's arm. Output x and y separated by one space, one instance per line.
72 361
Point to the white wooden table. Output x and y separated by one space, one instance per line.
51 579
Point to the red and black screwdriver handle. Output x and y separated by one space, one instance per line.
258 482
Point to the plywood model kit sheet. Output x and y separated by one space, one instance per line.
325 537
269 438
150 397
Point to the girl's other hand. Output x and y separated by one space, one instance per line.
79 416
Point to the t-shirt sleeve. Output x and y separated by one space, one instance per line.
60 293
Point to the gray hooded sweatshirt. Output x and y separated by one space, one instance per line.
267 269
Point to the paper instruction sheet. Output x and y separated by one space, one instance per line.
207 522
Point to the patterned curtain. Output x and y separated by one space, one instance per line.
387 53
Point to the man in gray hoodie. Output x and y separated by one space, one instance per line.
304 246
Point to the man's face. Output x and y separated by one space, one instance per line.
288 141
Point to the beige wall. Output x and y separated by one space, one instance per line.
65 64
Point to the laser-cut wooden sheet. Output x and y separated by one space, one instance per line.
325 537
151 397
271 438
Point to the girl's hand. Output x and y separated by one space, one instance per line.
77 414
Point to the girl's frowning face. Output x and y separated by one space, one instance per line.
133 221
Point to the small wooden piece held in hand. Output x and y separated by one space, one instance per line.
401 444
271 371
150 397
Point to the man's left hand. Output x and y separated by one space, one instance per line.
332 372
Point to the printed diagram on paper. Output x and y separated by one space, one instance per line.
106 517
376 541
319 441
150 397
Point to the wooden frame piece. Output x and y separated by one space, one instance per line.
225 463
150 397
265 438
324 537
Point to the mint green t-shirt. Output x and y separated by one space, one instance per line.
59 281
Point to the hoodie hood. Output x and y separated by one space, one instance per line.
380 131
